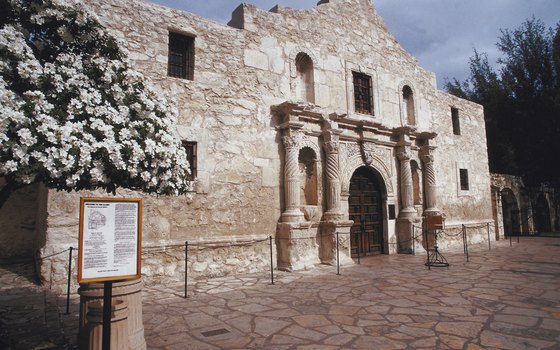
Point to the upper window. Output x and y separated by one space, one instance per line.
455 121
190 148
363 96
181 56
464 179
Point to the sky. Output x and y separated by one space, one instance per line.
441 34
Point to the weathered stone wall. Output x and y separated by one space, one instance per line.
241 72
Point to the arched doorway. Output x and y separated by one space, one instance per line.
365 209
542 215
510 213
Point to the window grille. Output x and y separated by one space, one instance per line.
362 93
181 56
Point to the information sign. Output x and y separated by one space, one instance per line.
110 239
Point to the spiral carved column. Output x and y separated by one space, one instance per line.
333 180
291 181
407 199
430 184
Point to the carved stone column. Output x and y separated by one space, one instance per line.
292 212
407 210
429 185
333 181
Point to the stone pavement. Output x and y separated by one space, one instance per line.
506 298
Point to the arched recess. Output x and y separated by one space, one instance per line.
308 176
510 213
542 215
302 72
407 103
367 203
305 81
355 161
417 187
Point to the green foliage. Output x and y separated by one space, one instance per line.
521 102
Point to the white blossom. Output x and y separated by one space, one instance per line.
71 128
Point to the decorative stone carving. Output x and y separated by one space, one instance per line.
406 185
333 179
291 180
429 183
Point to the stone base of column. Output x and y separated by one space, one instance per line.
119 326
129 292
408 235
298 245
292 215
328 249
334 216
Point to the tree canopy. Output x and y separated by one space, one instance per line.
74 114
521 101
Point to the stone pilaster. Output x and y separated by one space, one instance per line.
430 187
292 213
333 181
407 200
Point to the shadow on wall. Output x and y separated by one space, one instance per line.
21 222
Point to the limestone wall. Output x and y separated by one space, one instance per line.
241 72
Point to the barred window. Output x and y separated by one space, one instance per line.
190 148
181 56
363 96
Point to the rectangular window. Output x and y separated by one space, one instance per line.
180 62
464 179
363 95
190 148
455 121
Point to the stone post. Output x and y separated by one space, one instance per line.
292 213
407 200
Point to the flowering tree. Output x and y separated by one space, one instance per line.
74 115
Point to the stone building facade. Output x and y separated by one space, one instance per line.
522 210
305 126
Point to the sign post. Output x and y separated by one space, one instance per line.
109 247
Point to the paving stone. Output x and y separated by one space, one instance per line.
364 308
510 342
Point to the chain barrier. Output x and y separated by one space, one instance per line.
203 245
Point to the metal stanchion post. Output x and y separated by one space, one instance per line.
413 240
69 280
337 256
107 300
271 261
518 234
510 239
425 232
186 265
359 244
466 241
488 230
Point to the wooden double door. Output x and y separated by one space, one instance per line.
365 208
